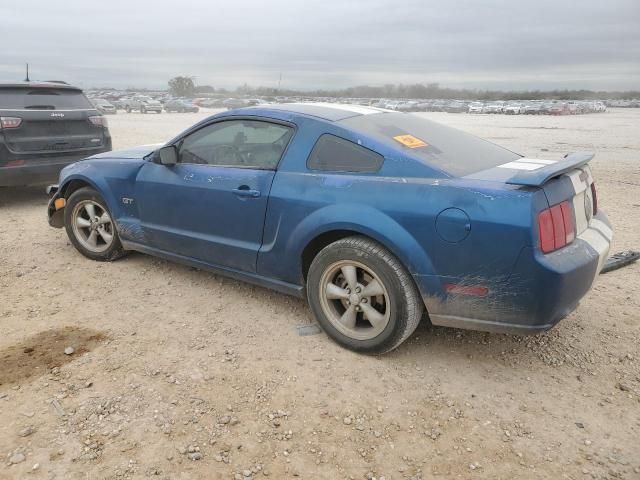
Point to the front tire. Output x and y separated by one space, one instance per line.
362 296
90 226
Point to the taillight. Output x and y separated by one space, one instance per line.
556 227
594 196
99 121
10 122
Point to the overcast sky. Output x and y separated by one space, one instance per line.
509 44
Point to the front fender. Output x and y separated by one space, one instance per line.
94 177
367 221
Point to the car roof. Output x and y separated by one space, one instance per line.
58 85
332 112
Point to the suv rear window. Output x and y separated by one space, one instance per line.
43 99
452 151
335 154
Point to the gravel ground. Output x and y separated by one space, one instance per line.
176 373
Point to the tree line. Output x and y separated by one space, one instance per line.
184 86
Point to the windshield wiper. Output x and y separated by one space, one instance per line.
40 107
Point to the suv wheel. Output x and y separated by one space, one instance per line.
362 296
127 109
143 110
90 226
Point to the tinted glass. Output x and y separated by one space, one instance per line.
447 149
43 99
237 143
335 154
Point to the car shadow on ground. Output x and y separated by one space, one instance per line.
427 343
23 196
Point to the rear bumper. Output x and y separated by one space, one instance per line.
541 291
40 173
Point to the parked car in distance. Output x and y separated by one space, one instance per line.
143 104
455 107
104 106
558 108
232 103
181 105
513 109
492 108
45 127
475 107
373 216
533 109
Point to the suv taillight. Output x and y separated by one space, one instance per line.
10 122
99 121
556 227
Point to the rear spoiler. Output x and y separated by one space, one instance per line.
532 172
539 176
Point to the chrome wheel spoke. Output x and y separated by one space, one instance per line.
348 318
376 318
82 222
104 219
334 292
106 236
373 289
351 276
91 211
92 239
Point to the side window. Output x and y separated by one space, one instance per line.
335 154
236 143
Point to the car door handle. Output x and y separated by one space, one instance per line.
245 191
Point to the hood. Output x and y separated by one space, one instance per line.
134 153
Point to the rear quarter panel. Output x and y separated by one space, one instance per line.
397 207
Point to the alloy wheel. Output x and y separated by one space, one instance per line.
92 226
354 299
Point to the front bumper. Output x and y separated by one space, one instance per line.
541 290
54 214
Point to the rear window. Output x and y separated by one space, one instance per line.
43 99
452 151
335 154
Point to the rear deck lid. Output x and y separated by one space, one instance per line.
533 172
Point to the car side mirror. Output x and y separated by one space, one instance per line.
168 155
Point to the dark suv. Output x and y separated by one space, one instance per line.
43 128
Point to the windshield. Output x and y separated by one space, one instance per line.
452 151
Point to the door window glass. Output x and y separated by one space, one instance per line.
236 143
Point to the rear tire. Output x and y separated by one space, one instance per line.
362 296
90 226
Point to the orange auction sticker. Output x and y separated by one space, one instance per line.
410 141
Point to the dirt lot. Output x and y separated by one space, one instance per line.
181 374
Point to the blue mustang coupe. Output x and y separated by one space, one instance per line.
375 216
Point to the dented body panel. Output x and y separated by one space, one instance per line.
470 242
